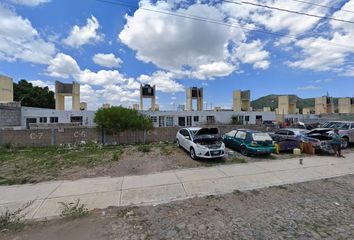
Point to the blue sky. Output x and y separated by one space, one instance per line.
110 49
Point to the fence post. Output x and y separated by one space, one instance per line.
53 137
103 136
144 141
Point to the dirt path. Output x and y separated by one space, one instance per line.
314 210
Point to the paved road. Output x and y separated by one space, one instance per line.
170 185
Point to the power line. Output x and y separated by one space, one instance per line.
218 22
321 5
289 11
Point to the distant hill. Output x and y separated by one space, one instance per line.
272 101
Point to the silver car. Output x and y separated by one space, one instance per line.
346 130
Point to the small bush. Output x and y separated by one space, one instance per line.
73 209
7 146
166 150
13 220
237 159
117 154
144 148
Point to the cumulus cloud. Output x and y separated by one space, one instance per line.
163 80
20 41
63 66
41 83
30 3
84 35
107 60
202 50
212 70
252 53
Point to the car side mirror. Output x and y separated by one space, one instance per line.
187 137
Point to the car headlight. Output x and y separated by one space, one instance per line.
202 147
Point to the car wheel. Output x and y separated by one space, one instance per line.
244 151
192 153
346 142
177 143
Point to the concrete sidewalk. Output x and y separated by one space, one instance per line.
170 185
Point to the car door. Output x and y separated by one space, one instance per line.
239 139
229 138
184 141
351 133
280 135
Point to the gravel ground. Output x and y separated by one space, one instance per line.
314 210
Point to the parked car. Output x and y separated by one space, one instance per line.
201 142
249 142
319 138
346 130
288 134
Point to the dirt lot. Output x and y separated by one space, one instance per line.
315 210
31 165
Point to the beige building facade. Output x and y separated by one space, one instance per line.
323 105
194 93
346 105
287 105
241 101
63 90
6 89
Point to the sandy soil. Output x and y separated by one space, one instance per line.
135 162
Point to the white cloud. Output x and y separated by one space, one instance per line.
30 3
40 83
107 60
84 35
252 53
211 70
63 66
20 41
110 85
163 80
176 44
308 88
330 52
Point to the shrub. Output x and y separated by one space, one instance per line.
73 209
117 154
144 148
13 220
117 119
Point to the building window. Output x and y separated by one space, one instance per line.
210 119
169 122
247 118
196 118
181 121
154 119
161 121
54 119
43 119
30 121
76 119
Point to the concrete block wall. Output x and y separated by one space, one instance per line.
10 114
47 137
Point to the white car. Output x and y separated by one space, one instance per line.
201 142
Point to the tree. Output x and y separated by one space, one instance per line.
33 96
117 119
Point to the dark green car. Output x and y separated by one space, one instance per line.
249 142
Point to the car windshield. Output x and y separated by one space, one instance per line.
261 137
342 126
193 132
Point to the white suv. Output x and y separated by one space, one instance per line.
201 142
